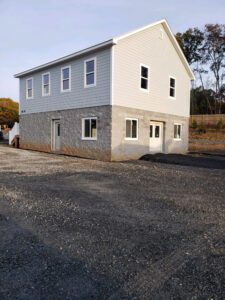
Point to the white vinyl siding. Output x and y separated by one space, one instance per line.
66 79
159 54
89 128
90 72
46 83
30 88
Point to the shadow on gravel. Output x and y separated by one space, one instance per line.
208 162
31 269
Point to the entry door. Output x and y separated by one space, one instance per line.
156 137
56 135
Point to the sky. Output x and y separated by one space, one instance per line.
33 32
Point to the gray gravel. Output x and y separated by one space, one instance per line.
81 229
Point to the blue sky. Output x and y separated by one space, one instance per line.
33 32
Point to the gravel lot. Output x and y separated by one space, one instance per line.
72 228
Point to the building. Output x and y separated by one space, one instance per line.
117 100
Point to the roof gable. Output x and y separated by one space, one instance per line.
168 30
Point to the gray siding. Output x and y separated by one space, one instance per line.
79 96
146 47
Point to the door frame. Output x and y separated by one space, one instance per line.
53 128
162 135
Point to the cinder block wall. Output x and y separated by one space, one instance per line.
134 149
35 133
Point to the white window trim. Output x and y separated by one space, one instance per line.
49 93
127 138
95 72
177 139
31 78
69 89
89 138
141 89
175 89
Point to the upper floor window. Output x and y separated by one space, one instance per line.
89 128
144 78
29 88
131 129
177 131
66 79
172 87
46 84
90 72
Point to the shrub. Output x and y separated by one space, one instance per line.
201 128
220 124
194 124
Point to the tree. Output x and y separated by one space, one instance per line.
9 112
205 52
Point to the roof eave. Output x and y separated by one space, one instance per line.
88 50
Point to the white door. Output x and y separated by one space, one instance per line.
156 137
56 135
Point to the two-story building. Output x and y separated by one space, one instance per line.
117 100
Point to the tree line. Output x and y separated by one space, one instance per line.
205 52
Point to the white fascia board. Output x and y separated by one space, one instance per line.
88 50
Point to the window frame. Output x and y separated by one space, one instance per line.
148 79
49 84
83 129
174 88
95 72
174 138
32 97
69 89
131 138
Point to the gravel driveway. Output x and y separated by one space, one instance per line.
72 228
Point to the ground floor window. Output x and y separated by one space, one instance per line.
131 129
177 131
89 128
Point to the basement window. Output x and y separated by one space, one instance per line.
177 131
131 129
172 87
29 88
89 129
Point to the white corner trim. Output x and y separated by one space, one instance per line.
112 76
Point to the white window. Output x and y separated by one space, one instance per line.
172 87
89 128
46 84
177 131
144 78
90 72
131 129
29 88
66 79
